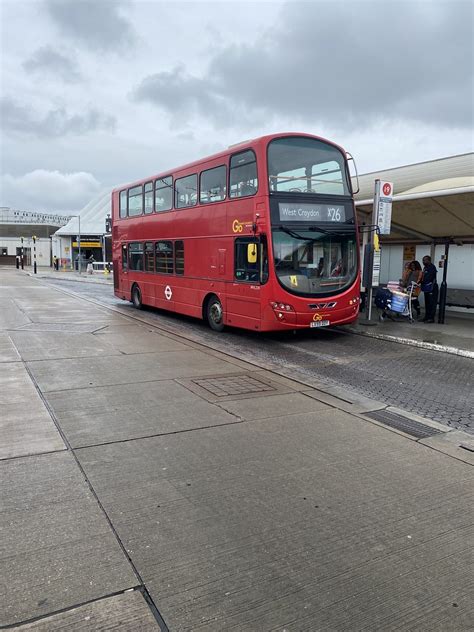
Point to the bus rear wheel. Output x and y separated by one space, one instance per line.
137 297
215 314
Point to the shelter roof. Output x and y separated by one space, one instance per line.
92 216
433 201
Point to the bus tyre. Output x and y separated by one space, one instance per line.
215 314
137 297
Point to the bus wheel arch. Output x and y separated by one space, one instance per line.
136 296
213 312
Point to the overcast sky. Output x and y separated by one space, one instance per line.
99 92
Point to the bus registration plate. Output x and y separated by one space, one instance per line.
319 323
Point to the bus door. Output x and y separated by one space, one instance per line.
243 299
124 268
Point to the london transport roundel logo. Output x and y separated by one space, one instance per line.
387 189
168 293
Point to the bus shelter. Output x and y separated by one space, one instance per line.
433 205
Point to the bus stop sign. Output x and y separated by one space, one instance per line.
383 205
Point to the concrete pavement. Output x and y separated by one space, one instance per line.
150 482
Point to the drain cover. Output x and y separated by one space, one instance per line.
409 426
235 385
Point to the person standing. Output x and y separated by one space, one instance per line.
413 275
90 265
429 287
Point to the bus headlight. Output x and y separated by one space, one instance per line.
282 307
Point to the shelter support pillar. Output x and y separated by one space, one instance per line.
443 289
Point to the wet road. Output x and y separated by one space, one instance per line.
435 385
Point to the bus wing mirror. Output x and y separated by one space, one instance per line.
252 253
354 176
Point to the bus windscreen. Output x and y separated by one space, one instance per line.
297 164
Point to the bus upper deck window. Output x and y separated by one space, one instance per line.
243 175
123 203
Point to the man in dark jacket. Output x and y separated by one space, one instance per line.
430 289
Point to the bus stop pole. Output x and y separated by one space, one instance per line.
444 287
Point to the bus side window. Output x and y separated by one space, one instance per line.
135 201
243 175
135 256
164 194
213 185
164 257
179 257
149 256
186 192
148 207
123 203
124 257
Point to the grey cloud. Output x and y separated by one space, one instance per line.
181 94
46 59
21 120
349 64
96 24
184 96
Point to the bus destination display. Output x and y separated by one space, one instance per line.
311 212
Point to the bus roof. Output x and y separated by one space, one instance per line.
232 149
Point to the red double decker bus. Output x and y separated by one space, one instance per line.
261 236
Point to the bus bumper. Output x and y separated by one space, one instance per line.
282 320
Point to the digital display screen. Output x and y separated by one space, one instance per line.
294 212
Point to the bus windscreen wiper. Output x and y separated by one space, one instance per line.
296 235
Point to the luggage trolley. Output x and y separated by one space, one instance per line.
395 302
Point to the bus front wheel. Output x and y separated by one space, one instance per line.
215 314
137 297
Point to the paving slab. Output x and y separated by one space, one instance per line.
128 612
318 521
55 345
274 405
115 413
54 375
8 352
27 430
73 327
25 424
11 316
57 549
139 340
